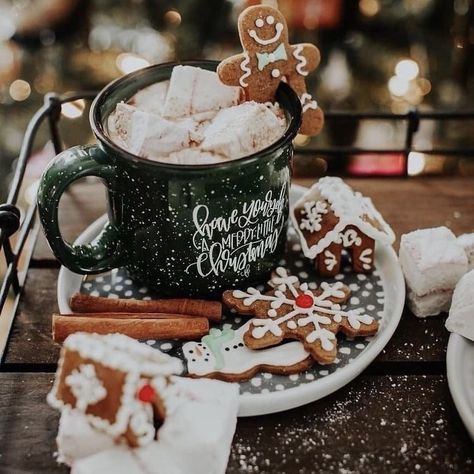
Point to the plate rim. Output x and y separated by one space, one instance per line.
277 401
457 344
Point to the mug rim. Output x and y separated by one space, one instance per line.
100 133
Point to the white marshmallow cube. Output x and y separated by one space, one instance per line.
242 130
194 90
431 260
467 243
430 304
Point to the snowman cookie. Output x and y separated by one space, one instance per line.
223 355
268 58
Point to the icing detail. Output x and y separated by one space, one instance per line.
322 310
275 73
349 238
237 358
308 102
215 340
302 61
313 210
244 66
264 42
85 386
263 59
350 207
330 260
366 258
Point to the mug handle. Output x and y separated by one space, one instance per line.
105 252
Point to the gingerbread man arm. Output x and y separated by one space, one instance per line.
234 71
307 57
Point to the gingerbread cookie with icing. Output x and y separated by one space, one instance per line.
293 311
268 58
112 381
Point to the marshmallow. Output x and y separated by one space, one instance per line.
190 156
193 90
242 130
430 304
196 435
461 314
152 98
431 260
77 439
146 135
467 243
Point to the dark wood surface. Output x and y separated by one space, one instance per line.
397 417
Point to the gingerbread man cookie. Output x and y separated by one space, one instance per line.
268 59
292 311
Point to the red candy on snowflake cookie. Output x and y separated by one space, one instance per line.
331 217
111 380
293 311
268 58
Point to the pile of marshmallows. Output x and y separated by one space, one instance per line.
194 119
439 272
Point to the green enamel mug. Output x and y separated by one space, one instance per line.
182 230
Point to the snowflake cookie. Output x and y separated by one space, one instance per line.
115 383
293 311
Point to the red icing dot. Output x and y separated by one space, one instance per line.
146 394
304 301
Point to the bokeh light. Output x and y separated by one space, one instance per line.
127 62
416 163
369 7
73 110
172 17
407 69
398 86
19 90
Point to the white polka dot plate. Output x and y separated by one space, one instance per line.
381 294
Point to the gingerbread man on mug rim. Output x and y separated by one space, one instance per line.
268 58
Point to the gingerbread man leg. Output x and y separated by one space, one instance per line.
313 116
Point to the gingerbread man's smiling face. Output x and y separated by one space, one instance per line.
262 28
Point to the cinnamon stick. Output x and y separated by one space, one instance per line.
211 310
131 315
176 328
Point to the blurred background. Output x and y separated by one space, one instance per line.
378 55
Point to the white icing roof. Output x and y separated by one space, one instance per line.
121 352
350 207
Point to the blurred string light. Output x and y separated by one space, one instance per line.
398 86
369 7
73 110
127 62
407 85
141 41
416 163
173 18
7 27
19 90
407 69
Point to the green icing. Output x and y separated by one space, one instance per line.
215 340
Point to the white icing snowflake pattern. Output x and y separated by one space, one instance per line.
313 210
318 311
85 386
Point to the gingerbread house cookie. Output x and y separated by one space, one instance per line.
331 217
110 380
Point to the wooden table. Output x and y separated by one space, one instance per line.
397 416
